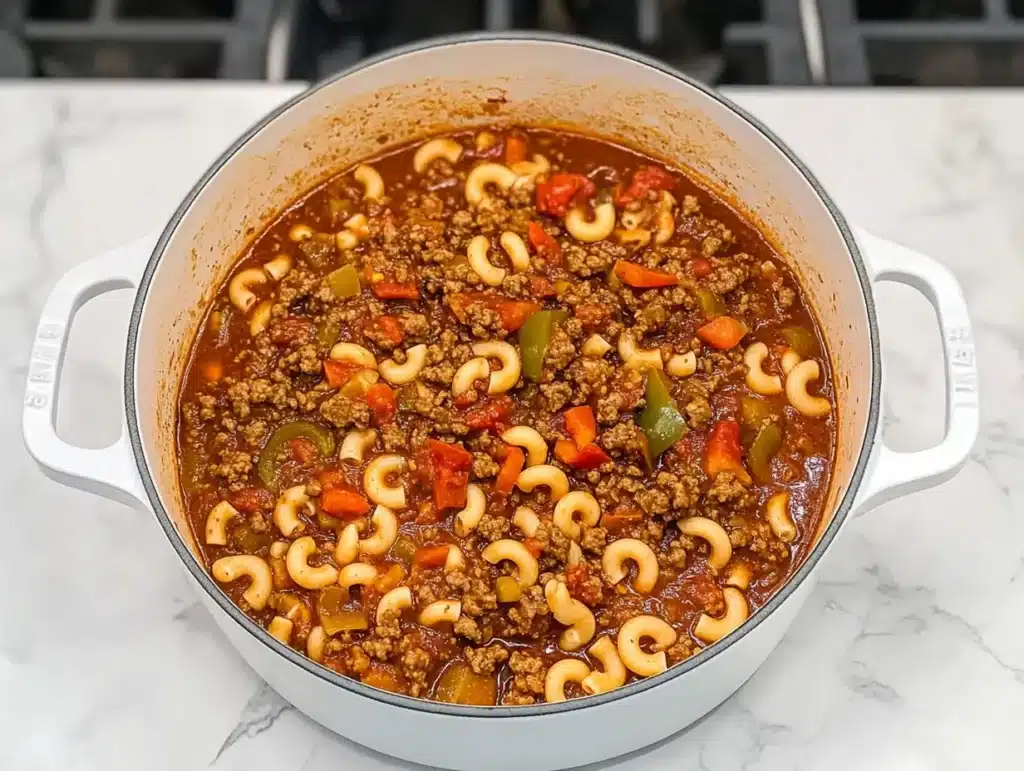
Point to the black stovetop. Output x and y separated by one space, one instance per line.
757 42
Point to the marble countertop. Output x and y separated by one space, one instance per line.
908 656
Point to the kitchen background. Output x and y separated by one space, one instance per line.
749 42
909 654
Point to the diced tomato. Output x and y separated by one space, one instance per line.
383 403
513 313
580 585
588 457
250 499
292 331
541 287
723 333
643 278
515 149
331 477
592 314
514 461
432 556
557 194
724 452
620 519
581 425
544 244
535 547
390 329
339 372
394 290
213 370
700 267
303 451
451 465
492 413
344 503
644 179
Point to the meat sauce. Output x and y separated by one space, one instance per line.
508 417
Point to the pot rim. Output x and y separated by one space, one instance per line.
225 603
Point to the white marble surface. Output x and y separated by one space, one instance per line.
909 655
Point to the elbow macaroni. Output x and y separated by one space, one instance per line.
614 674
228 569
347 548
435 150
517 554
489 273
357 574
547 475
638 358
779 519
440 612
455 560
400 374
577 503
376 481
617 553
710 629
350 353
280 629
560 673
304 574
530 440
719 545
666 221
504 379
796 390
300 232
385 525
526 520
682 364
372 182
594 230
572 613
395 601
260 317
486 174
469 517
475 369
516 250
316 643
279 267
355 444
757 379
286 512
633 656
241 296
217 523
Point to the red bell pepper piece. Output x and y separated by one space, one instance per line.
723 333
581 425
544 244
344 503
513 464
724 451
557 194
513 313
588 457
383 403
646 178
643 278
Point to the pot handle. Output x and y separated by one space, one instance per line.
109 471
899 473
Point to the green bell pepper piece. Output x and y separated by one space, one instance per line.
801 340
765 445
661 421
322 437
344 282
534 336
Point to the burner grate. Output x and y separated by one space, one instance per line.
135 38
924 42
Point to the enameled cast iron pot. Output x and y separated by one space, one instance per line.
529 79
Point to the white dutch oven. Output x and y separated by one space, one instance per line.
527 79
